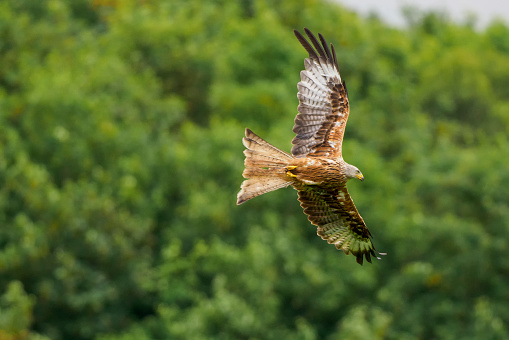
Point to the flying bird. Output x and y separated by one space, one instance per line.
315 167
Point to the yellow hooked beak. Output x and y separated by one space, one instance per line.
359 176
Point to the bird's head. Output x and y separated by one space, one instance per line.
352 172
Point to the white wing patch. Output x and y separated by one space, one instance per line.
322 99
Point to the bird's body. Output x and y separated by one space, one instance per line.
318 171
315 168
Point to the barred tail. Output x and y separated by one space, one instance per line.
265 168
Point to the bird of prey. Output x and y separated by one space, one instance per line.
315 167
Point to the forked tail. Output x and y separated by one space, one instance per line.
265 168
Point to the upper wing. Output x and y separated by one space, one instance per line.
323 102
338 221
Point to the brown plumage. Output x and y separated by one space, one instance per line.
316 167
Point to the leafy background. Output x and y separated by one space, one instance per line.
120 160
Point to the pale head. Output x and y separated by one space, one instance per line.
352 172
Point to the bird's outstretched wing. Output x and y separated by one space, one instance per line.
323 102
333 212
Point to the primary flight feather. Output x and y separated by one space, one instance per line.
315 168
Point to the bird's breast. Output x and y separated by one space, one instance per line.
322 171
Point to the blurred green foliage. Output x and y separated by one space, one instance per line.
120 159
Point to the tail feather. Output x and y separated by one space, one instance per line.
265 168
253 172
256 158
259 185
255 143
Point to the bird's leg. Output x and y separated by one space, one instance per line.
290 168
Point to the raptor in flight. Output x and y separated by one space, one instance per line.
315 168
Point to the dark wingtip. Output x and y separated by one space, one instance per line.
360 259
334 57
325 47
316 43
305 43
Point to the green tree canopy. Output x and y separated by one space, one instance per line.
121 155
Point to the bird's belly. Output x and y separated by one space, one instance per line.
316 171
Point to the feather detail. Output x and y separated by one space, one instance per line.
338 221
265 168
321 92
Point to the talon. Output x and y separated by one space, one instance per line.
289 174
289 168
